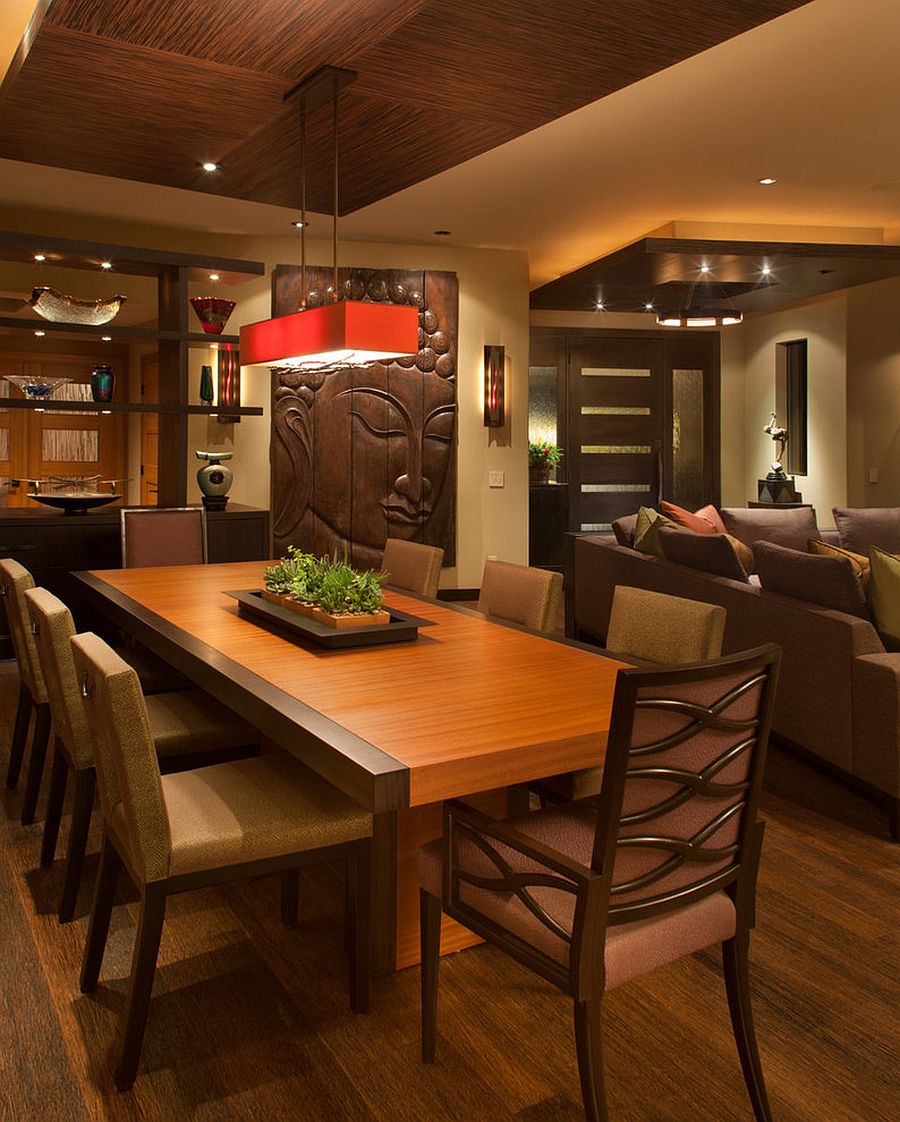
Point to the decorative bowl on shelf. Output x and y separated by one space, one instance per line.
34 387
213 312
73 502
59 307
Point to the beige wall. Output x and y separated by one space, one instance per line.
493 308
823 323
873 393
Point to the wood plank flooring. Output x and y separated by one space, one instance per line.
251 1021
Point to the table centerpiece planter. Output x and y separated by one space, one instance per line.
330 619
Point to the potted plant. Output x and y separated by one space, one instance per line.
542 456
326 589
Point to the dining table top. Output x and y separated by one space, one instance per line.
470 705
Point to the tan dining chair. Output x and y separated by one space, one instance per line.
191 829
15 580
163 536
413 566
519 594
187 728
650 627
664 864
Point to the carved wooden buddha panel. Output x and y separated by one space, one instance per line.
362 455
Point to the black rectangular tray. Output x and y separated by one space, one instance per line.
402 629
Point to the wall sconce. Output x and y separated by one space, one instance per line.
228 364
494 386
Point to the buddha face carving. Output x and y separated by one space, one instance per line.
363 455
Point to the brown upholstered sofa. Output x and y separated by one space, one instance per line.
839 693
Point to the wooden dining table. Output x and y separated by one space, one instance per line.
472 707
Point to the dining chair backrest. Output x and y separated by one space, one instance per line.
519 594
656 627
15 579
167 536
413 566
53 627
124 755
684 764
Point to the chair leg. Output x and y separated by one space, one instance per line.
143 971
36 763
98 928
78 834
19 736
735 959
359 885
58 777
430 944
290 896
589 1046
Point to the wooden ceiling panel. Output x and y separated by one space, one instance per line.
142 89
278 36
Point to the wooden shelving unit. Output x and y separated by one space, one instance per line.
172 334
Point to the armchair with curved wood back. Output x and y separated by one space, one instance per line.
520 594
591 895
413 566
163 536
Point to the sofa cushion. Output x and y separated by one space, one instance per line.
646 531
711 513
863 527
790 528
828 581
623 528
884 596
860 564
711 553
697 522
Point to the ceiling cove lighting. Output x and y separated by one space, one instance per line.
346 333
700 317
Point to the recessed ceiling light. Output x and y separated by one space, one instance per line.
766 270
704 268
648 307
106 412
106 264
40 257
767 180
442 233
106 338
208 165
299 223
214 276
40 333
599 305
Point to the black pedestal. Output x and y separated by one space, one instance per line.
777 489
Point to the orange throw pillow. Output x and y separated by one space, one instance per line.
713 515
698 522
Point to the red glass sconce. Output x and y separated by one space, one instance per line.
494 386
228 362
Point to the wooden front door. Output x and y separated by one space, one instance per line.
51 441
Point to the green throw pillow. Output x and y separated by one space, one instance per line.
884 596
646 531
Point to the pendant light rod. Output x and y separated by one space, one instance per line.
303 204
336 88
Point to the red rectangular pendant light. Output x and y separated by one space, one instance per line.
345 333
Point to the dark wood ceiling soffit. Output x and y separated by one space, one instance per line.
143 89
666 273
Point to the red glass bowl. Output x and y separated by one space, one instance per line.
213 312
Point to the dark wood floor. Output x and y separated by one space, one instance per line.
250 1020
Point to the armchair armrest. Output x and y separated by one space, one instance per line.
876 721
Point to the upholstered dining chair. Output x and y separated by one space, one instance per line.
413 566
593 894
191 829
14 581
520 594
187 728
164 536
647 627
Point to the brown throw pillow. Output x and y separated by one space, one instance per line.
884 596
646 531
863 527
711 553
827 581
860 564
623 528
789 528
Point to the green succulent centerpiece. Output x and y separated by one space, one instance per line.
326 589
